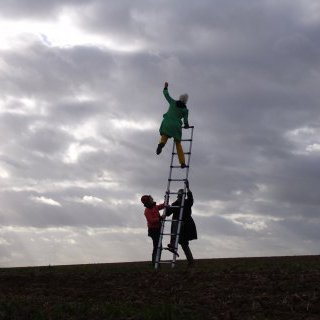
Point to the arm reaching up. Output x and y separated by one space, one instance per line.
166 93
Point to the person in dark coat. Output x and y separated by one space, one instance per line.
188 229
172 122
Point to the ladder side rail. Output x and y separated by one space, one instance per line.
190 148
189 153
166 201
182 204
170 172
176 244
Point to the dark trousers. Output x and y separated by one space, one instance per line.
184 243
187 251
154 234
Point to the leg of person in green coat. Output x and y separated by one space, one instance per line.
162 143
163 140
180 153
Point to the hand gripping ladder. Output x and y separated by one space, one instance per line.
175 229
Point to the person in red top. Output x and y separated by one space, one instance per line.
153 217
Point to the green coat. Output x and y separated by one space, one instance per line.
171 123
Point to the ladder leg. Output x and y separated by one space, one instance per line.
182 207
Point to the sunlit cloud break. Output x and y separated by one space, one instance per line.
46 201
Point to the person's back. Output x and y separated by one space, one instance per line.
171 126
188 203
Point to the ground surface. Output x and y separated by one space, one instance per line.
244 288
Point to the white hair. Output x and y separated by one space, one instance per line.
184 98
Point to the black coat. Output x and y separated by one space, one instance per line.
188 228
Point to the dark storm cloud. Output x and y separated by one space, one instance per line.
72 207
84 152
44 71
296 182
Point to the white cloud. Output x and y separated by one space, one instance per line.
134 125
46 201
4 173
62 32
74 152
91 200
315 147
252 222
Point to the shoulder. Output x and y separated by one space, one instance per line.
180 104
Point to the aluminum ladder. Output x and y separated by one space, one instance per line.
167 199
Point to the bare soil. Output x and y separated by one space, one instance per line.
242 288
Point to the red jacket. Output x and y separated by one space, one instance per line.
153 216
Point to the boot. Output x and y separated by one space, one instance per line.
159 148
171 248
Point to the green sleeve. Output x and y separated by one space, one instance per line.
185 117
167 95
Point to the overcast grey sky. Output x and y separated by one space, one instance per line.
81 103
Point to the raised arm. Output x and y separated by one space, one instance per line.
189 193
166 93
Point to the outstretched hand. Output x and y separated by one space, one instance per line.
166 84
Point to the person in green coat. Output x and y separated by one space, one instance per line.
171 125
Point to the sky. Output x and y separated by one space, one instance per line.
80 108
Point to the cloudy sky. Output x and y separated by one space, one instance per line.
81 103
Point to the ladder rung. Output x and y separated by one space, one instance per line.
172 220
186 139
174 153
170 234
178 167
166 262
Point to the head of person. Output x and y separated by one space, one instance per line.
147 200
180 194
184 98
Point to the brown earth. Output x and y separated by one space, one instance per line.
242 288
